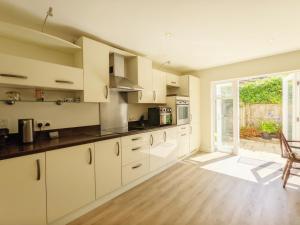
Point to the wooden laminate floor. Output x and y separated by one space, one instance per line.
188 194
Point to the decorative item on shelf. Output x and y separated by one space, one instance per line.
67 100
12 97
39 95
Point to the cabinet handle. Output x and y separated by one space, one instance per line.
183 134
173 82
137 166
118 148
135 139
154 95
151 139
106 91
64 81
141 95
135 149
13 76
38 170
91 156
183 128
165 136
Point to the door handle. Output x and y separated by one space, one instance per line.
38 170
118 149
64 81
106 91
13 76
151 139
91 156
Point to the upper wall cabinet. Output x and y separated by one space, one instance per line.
139 71
31 58
159 86
172 80
94 59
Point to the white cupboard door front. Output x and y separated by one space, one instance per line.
172 80
108 166
95 62
157 153
70 179
159 86
23 191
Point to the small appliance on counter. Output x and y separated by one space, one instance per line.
26 130
3 136
159 116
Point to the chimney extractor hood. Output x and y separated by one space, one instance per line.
117 79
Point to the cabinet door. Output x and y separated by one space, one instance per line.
70 179
107 166
159 86
95 60
171 144
23 191
194 90
139 70
184 144
157 153
172 80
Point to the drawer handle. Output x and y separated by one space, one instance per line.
91 156
118 148
173 82
13 76
141 95
183 128
183 134
137 166
136 139
135 149
38 170
64 81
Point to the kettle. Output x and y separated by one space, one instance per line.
26 130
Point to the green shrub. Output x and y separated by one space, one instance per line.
269 126
264 91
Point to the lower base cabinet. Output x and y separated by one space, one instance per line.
70 180
184 140
135 170
23 191
108 170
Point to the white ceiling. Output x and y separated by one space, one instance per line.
204 33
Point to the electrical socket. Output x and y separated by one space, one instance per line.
44 123
3 123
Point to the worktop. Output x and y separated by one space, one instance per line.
78 136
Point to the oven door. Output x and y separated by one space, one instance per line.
182 114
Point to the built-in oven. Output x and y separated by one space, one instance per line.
182 111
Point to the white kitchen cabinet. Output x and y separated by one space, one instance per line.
135 147
164 147
26 72
159 86
172 80
190 86
139 71
94 59
22 190
70 179
108 166
184 140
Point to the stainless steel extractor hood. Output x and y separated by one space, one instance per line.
117 79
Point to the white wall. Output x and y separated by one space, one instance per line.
273 64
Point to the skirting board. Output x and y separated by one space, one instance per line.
80 212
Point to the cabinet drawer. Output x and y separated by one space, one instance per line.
183 129
134 148
19 71
135 170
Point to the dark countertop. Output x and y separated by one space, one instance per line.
76 137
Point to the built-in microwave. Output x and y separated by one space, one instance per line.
181 109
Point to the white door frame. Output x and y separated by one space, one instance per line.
236 123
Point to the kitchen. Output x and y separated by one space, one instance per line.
103 103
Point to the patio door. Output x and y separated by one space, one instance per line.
225 117
291 106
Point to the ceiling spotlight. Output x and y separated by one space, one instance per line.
168 35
